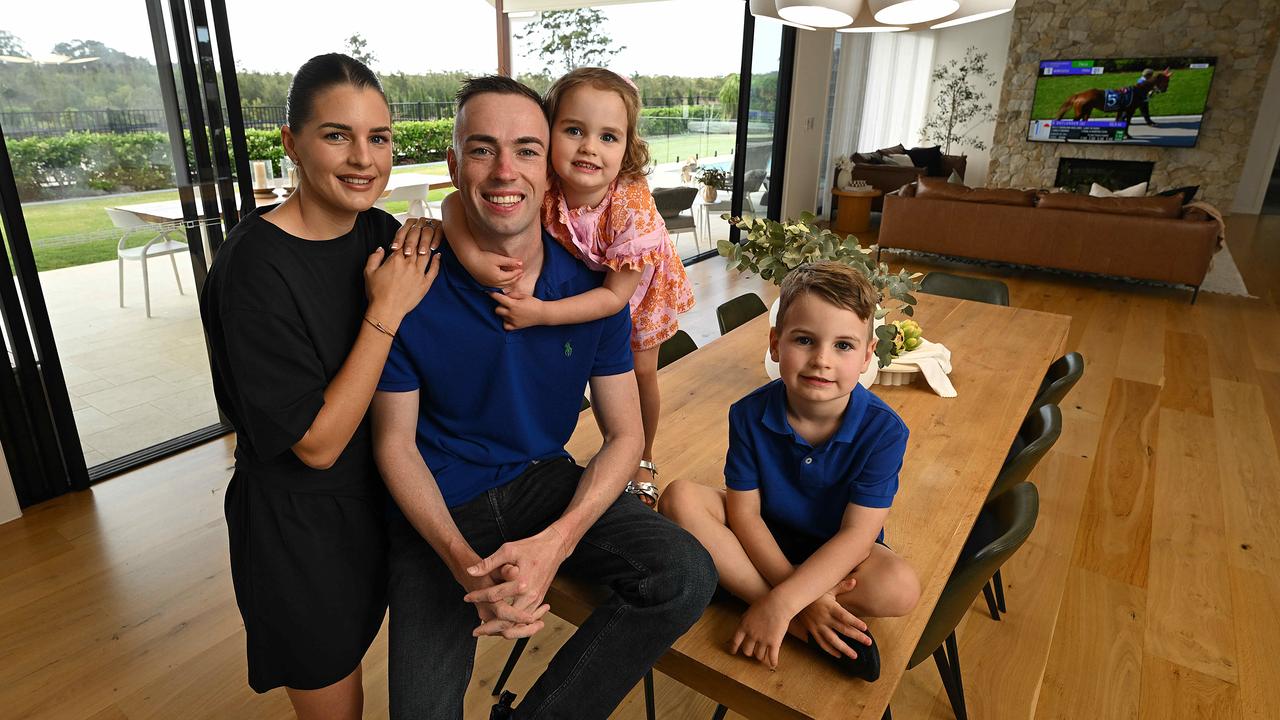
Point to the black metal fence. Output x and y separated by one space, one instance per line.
259 117
27 124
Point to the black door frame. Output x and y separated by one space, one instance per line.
781 121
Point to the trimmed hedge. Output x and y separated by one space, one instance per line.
82 163
420 141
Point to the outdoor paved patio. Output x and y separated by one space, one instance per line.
133 381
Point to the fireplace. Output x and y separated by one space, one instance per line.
1076 174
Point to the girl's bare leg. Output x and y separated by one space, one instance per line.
646 362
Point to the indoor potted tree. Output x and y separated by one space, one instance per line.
773 249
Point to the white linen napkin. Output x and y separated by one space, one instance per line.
934 361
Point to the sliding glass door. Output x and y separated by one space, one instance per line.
119 193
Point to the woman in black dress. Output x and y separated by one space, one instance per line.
300 307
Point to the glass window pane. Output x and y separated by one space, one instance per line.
81 108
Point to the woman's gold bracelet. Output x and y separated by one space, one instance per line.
379 326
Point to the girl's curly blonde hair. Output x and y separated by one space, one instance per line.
635 159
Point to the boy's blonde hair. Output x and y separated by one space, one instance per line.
837 283
635 159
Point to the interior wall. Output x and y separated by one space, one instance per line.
809 88
1242 34
992 37
1261 158
9 509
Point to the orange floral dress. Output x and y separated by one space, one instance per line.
625 230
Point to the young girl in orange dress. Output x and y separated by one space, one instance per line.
600 209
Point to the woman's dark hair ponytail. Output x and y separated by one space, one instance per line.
319 74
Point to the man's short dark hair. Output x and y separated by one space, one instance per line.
500 84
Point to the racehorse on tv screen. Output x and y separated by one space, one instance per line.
1121 101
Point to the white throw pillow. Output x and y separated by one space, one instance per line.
1139 190
955 178
901 160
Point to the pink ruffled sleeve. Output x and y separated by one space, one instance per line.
634 232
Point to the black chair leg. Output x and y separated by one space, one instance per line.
998 582
991 601
947 658
720 712
512 659
649 711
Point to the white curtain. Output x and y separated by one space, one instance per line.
846 110
896 95
882 91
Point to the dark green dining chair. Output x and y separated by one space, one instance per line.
1035 438
674 348
738 311
1003 525
1061 376
965 288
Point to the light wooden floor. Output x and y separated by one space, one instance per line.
1150 589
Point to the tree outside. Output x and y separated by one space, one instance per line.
562 40
358 48
961 103
12 46
728 96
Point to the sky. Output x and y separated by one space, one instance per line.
695 38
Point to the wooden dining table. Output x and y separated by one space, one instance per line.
956 447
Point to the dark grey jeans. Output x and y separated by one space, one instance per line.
661 577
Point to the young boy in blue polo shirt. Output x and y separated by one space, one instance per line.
811 471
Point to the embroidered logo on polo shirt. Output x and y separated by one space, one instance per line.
568 349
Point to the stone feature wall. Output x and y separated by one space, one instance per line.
1241 33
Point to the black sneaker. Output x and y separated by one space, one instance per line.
866 666
502 709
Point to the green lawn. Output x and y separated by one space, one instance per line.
1188 90
673 148
58 229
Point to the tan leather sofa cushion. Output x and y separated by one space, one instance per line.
940 189
1155 207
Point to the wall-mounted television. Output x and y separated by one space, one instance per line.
1154 101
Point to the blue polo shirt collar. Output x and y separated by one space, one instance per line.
775 415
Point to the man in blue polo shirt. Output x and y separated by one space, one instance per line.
470 424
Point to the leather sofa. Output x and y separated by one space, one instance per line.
888 178
1149 238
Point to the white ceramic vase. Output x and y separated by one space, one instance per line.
867 379
844 179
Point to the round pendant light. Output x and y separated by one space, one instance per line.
910 12
819 13
767 8
865 23
973 11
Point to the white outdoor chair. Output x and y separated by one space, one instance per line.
417 197
161 244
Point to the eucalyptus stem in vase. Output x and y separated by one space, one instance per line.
772 249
